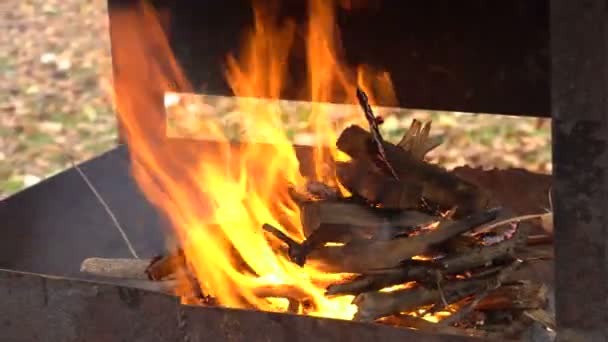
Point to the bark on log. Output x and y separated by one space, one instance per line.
438 185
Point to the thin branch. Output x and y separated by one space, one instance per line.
439 278
375 131
517 219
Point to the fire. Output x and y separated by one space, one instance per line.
218 197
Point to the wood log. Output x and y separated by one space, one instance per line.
363 220
294 249
423 271
295 295
480 256
338 221
360 257
313 190
322 191
116 268
364 179
438 185
374 305
165 277
374 282
347 221
164 267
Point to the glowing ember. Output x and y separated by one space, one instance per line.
398 287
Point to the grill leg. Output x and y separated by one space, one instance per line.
579 44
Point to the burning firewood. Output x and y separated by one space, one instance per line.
438 185
362 256
375 305
322 191
294 250
422 271
313 190
357 221
295 295
164 267
417 237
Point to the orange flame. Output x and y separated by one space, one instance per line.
217 197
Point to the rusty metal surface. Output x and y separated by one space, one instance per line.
40 308
580 155
472 55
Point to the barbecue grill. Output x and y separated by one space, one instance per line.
521 57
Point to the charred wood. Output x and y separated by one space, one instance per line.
364 179
374 282
374 305
359 257
163 267
294 249
312 191
363 256
481 256
358 220
343 222
517 296
438 185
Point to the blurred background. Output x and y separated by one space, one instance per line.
55 69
